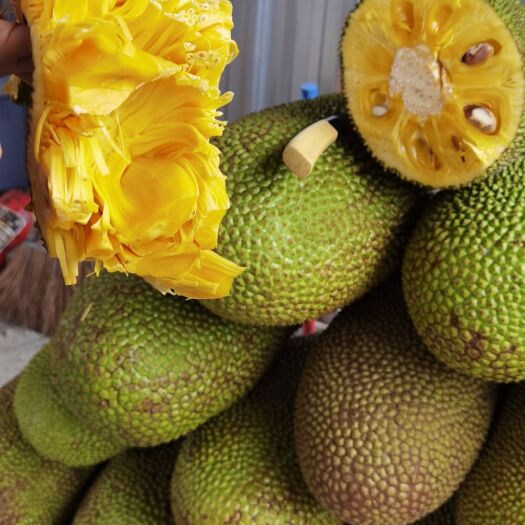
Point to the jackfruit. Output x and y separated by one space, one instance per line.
494 492
133 489
464 278
126 97
309 246
49 426
143 368
240 467
443 516
384 432
437 87
33 490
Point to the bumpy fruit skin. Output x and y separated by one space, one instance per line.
443 516
492 81
145 368
133 489
384 432
309 246
49 426
241 467
33 490
494 492
464 278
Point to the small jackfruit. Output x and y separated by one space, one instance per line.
309 246
133 489
437 87
494 492
384 432
122 171
464 277
49 426
240 467
33 490
143 368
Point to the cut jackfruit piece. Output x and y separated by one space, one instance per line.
436 88
126 98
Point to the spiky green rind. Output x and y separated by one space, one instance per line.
310 246
384 432
494 492
464 278
49 426
241 468
133 489
512 13
146 368
33 490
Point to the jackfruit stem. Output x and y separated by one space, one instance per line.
303 151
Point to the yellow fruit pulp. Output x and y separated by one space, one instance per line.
435 87
125 103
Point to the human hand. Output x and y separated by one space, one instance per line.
15 50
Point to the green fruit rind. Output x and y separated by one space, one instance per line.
145 368
241 468
384 432
33 490
133 489
494 492
49 426
464 277
309 246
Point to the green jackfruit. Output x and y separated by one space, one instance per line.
310 246
49 426
464 277
33 490
145 368
437 88
494 492
241 467
384 432
133 489
443 516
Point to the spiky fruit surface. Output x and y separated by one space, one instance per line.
33 490
241 467
464 279
494 492
49 426
443 516
385 432
146 368
309 246
133 489
436 88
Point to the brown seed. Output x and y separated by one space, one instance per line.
482 118
478 53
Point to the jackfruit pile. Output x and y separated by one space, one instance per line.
408 408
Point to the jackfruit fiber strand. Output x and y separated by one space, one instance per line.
125 103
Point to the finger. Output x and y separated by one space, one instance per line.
15 42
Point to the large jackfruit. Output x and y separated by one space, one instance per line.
241 466
33 490
494 492
384 432
143 368
309 246
49 426
133 489
464 277
436 87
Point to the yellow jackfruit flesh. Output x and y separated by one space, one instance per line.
436 88
125 103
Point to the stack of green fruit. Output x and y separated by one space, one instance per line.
146 409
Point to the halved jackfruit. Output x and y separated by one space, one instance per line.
126 98
436 87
